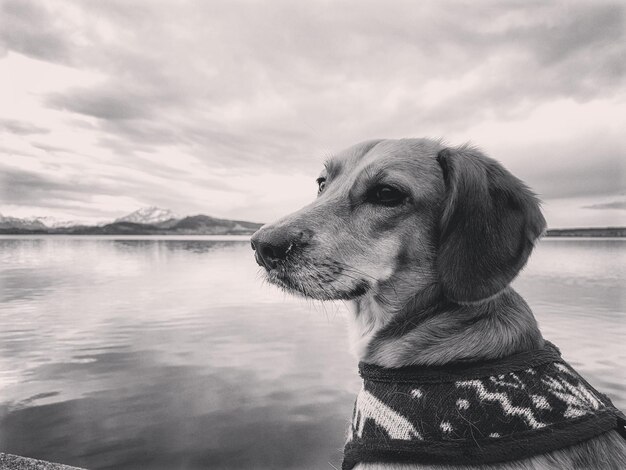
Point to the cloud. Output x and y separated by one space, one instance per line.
102 192
111 104
569 212
367 56
198 89
20 127
619 205
18 183
29 187
585 166
32 29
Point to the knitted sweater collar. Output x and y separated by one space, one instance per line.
484 412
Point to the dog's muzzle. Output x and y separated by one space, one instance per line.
272 245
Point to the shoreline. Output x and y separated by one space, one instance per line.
37 236
16 462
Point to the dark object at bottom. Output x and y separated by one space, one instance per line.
494 411
15 462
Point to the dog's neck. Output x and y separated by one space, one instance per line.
429 330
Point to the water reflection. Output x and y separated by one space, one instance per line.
150 354
177 416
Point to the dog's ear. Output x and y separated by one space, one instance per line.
489 224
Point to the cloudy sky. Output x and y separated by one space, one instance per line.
229 107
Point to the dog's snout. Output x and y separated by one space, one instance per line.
270 253
272 245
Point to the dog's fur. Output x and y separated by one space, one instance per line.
427 279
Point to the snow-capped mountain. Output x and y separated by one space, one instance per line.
53 222
146 221
149 215
16 222
35 223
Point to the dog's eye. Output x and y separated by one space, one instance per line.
321 183
387 196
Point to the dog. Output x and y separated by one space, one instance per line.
422 241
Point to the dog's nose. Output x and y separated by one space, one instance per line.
273 245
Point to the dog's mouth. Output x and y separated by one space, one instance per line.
328 280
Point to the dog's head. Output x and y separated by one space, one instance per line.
392 216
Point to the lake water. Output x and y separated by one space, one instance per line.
172 354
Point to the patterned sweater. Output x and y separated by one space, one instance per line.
512 408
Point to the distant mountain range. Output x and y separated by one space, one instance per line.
149 215
145 221
587 232
157 221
